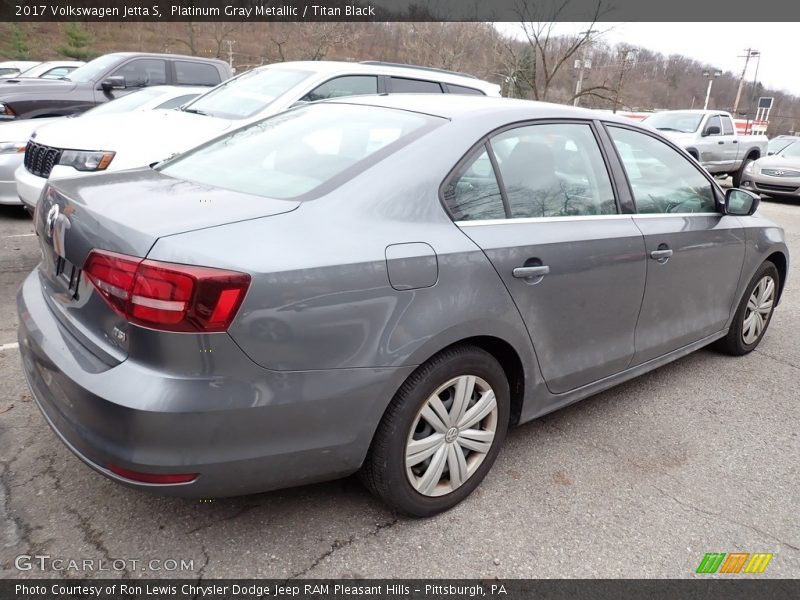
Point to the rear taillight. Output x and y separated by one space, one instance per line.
167 296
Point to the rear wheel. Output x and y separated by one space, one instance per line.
441 433
754 312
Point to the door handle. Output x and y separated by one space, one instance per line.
735 141
525 272
720 142
661 254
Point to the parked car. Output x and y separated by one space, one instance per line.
138 140
780 142
777 175
12 68
710 137
378 284
102 79
53 69
14 136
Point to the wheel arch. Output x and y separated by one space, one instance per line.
782 264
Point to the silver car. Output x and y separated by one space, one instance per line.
776 175
378 285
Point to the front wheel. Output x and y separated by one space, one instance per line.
738 175
441 433
754 312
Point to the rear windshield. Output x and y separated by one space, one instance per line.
302 152
247 95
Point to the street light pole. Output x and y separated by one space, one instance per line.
710 82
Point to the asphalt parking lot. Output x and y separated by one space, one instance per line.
641 481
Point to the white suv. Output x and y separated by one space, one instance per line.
135 140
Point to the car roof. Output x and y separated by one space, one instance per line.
163 55
418 72
455 106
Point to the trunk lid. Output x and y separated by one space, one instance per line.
125 212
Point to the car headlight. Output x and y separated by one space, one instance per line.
5 110
86 161
12 147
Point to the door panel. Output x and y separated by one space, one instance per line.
582 314
690 294
695 254
539 201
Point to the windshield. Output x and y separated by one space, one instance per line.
791 151
127 103
296 152
248 94
685 122
777 144
93 68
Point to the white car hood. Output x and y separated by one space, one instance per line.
138 139
20 131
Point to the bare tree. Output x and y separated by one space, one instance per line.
535 64
191 39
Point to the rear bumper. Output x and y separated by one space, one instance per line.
252 432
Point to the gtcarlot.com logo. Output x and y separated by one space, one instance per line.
45 562
734 562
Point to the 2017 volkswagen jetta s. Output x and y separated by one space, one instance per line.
380 285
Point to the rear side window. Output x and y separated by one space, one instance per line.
460 89
191 73
351 85
296 153
553 170
473 194
727 126
401 85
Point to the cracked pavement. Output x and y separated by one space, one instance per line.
640 481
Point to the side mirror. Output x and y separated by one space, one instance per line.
711 130
741 203
115 82
299 103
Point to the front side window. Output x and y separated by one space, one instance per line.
350 85
143 72
299 152
714 122
553 170
662 179
473 194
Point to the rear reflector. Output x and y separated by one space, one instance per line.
167 296
161 478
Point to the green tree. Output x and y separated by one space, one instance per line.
16 45
78 43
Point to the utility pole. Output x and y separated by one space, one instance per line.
628 57
750 53
582 64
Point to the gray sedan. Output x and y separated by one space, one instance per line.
379 285
776 175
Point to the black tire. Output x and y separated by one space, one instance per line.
384 470
737 176
734 343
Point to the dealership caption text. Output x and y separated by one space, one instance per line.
243 12
274 590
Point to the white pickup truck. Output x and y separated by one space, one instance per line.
710 137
